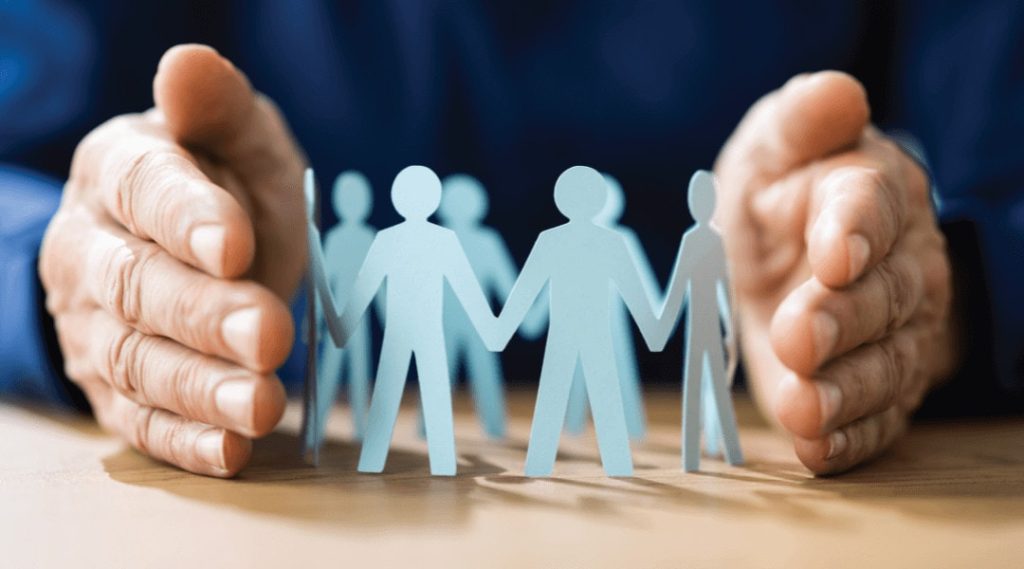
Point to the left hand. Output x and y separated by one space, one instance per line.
840 270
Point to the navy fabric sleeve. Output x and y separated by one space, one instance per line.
961 92
31 364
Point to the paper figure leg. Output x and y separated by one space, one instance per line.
549 413
455 348
387 396
723 403
693 367
359 377
709 415
487 384
576 416
328 380
436 395
629 374
605 394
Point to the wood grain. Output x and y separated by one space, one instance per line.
949 495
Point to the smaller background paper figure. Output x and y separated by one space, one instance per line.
415 258
464 205
700 282
579 261
345 249
622 329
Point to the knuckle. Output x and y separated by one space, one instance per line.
141 432
899 288
143 172
123 269
123 365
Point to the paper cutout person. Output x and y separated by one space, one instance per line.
345 248
312 437
699 279
582 263
622 331
463 207
415 258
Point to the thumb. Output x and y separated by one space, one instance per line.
205 100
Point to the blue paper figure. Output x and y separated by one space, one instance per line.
622 331
345 248
415 258
312 437
700 279
463 207
582 263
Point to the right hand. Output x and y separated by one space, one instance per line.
168 266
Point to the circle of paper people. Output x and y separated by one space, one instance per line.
449 299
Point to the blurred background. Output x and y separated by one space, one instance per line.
514 92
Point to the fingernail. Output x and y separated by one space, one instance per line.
235 401
826 333
241 332
830 397
837 442
858 250
207 243
210 448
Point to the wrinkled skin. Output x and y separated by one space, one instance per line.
168 265
839 269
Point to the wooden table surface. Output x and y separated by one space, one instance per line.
949 495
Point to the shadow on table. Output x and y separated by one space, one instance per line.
279 483
975 477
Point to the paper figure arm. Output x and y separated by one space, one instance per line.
630 286
676 296
370 279
728 316
467 289
504 278
525 291
651 285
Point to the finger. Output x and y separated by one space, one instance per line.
147 289
155 189
193 446
853 444
868 380
861 214
209 105
157 372
816 323
810 117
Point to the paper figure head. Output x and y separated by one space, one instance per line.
416 192
580 193
463 200
352 197
701 196
612 212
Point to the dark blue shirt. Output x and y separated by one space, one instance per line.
514 92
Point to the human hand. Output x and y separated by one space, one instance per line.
839 268
168 265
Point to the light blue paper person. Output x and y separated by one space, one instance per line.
415 258
700 282
581 263
464 205
345 248
622 330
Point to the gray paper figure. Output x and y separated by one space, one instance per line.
581 263
415 258
345 249
464 205
622 330
700 280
